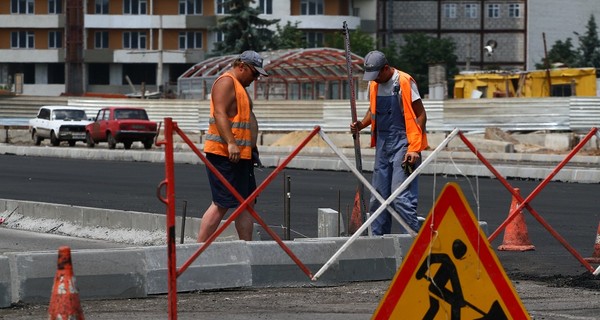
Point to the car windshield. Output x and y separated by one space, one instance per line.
69 115
131 114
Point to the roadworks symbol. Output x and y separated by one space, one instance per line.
451 271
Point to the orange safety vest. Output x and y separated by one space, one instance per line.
240 125
417 138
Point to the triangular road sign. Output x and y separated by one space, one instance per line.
451 272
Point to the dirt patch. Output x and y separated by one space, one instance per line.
296 137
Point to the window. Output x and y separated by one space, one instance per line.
471 10
101 7
514 10
450 10
134 40
493 10
22 6
190 6
223 7
22 39
190 40
54 6
314 39
101 40
135 6
311 7
54 39
219 36
265 6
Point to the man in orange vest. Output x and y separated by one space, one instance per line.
231 136
397 118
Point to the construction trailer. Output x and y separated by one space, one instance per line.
561 82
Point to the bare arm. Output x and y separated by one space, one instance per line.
421 118
359 125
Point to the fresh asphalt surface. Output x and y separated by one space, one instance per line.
570 208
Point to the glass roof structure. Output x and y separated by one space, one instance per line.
295 74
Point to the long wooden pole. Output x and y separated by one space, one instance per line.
355 136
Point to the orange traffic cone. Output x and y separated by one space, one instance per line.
516 237
595 258
64 302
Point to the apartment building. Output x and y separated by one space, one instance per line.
53 47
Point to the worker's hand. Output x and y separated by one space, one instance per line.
355 127
234 152
411 158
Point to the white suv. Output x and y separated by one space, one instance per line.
58 123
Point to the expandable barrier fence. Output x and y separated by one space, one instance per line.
169 200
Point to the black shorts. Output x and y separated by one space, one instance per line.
240 175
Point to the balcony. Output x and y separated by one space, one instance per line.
32 56
30 21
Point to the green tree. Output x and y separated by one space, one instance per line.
243 29
589 45
360 42
563 52
289 37
420 51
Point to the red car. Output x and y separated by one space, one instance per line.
121 125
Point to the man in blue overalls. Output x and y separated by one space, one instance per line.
397 118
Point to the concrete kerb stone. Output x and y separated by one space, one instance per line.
367 258
272 267
222 265
5 283
118 273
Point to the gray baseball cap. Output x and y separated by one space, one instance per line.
374 61
254 59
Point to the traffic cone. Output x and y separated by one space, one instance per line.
64 302
516 237
595 258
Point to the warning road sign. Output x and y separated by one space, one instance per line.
451 271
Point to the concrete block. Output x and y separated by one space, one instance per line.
558 141
221 265
99 273
272 267
330 223
367 259
5 283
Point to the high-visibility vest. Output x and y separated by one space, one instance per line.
240 125
417 138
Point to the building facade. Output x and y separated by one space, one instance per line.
471 24
53 47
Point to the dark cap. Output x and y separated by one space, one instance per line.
374 61
254 59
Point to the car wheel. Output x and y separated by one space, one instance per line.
127 144
54 139
36 139
89 141
72 143
148 144
112 143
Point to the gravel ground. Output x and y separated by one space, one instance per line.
350 301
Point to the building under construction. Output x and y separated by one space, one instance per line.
560 82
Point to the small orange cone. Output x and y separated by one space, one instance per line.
516 237
64 302
595 258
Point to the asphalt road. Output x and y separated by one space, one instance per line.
571 209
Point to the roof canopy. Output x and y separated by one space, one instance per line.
317 73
